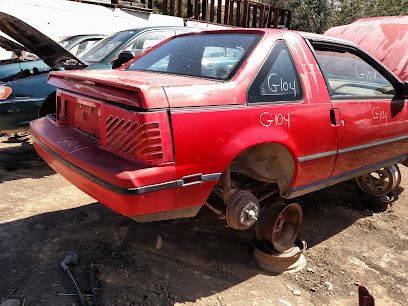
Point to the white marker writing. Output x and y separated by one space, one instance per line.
71 143
379 114
365 73
278 86
267 119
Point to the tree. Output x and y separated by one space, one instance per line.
309 15
319 15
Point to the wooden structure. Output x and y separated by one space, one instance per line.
239 13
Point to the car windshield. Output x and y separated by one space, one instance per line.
102 49
207 55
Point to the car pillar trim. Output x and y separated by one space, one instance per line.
124 190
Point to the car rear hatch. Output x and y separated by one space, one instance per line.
127 111
129 118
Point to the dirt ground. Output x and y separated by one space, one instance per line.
194 261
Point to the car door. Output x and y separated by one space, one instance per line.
287 97
370 120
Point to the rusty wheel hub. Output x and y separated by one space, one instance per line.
242 210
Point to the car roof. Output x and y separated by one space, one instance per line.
152 28
81 35
325 38
306 35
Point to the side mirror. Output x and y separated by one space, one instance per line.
123 58
5 92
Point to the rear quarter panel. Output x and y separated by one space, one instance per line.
207 139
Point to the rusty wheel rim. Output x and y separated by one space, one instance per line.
279 225
286 227
380 182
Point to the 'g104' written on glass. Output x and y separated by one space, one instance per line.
278 86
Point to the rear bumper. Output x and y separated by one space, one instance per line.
128 188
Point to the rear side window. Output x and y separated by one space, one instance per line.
278 80
348 75
212 56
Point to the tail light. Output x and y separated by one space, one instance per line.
141 136
138 136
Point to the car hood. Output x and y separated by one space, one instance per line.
10 45
36 42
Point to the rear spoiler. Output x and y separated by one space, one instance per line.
135 97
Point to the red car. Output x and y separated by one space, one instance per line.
239 117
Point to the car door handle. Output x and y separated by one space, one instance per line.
335 118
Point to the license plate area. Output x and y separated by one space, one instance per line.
86 119
79 112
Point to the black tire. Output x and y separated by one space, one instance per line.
48 107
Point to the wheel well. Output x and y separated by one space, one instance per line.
48 107
269 162
265 171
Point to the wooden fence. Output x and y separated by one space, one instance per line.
239 13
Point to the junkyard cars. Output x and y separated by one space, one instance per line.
77 44
21 63
273 115
32 97
385 37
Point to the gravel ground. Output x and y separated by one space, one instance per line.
195 261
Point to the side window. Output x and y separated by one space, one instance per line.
278 79
83 46
348 75
146 41
34 67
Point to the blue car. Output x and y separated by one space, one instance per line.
32 97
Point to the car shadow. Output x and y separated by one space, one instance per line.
21 161
329 211
147 263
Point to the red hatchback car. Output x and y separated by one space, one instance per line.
240 117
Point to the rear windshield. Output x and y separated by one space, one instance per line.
203 55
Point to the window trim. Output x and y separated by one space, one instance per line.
301 100
339 47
